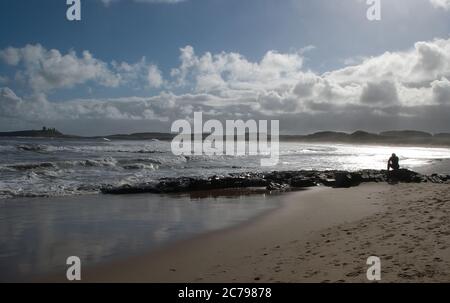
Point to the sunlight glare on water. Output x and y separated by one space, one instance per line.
31 167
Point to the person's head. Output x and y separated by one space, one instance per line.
394 155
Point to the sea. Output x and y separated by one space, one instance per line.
56 167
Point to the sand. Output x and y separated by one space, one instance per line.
319 235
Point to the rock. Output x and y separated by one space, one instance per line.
435 179
404 175
273 181
356 178
129 189
302 182
326 179
89 187
346 180
276 186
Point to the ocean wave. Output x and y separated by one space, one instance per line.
31 166
9 193
108 162
56 165
111 149
146 152
32 185
208 158
140 166
139 160
105 162
32 147
8 148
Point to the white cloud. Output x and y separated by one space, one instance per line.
227 72
445 4
9 103
45 70
154 77
139 75
407 83
38 108
422 64
10 56
441 91
279 83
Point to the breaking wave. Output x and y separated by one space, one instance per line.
45 167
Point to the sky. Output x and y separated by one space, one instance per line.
139 65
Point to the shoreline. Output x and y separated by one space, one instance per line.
198 259
100 229
318 235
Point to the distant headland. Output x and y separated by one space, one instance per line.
405 137
42 133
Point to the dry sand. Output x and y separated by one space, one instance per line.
319 235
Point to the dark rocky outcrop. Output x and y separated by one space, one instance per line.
404 175
346 180
277 187
44 133
301 182
274 181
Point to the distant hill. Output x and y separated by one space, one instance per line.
442 136
53 133
404 137
406 134
44 133
327 135
363 136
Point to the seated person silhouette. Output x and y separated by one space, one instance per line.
393 163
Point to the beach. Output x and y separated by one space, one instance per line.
229 142
318 235
133 211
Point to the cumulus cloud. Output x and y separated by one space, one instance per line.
227 72
441 91
154 76
46 70
38 108
384 92
140 74
279 80
445 4
394 87
418 66
9 103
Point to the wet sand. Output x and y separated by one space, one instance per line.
254 251
37 235
320 235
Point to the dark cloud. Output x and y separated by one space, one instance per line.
384 92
